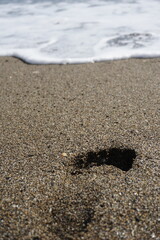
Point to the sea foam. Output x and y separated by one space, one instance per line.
58 32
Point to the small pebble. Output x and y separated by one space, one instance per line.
64 154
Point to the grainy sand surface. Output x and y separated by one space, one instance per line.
64 173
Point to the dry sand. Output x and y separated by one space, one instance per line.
64 173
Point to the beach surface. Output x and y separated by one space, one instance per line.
79 150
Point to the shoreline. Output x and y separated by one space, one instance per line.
53 113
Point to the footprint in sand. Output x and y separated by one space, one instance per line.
120 158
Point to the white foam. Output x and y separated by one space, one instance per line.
43 32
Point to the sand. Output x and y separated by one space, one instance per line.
79 150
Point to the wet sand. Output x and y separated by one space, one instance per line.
79 150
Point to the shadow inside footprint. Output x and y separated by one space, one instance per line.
120 158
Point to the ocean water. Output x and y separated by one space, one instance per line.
79 31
